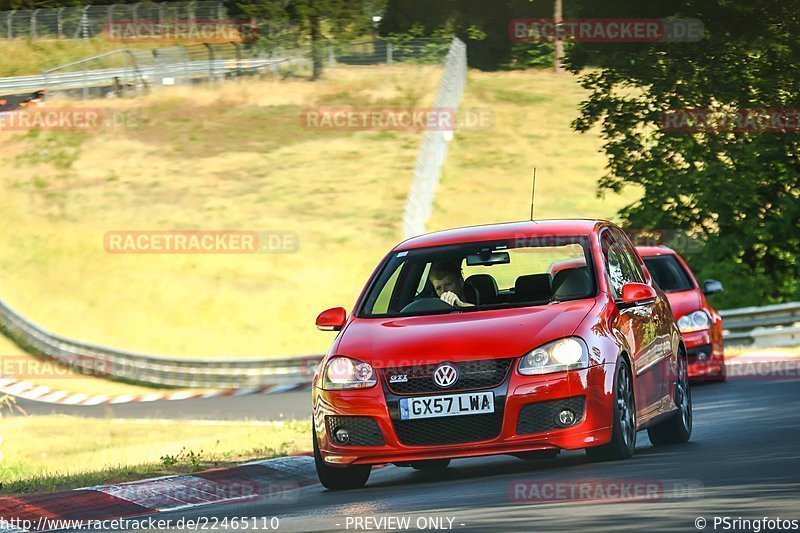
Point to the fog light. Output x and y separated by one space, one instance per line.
702 356
566 418
341 435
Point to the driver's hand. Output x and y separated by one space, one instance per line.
451 298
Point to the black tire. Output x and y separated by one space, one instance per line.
341 478
677 428
431 464
623 431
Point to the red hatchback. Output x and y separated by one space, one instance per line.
699 323
463 344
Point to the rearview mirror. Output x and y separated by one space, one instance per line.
332 319
711 286
488 259
637 293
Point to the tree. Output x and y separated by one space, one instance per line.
738 191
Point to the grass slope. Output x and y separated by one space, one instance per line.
236 157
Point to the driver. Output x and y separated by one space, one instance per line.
448 283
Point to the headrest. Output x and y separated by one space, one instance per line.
571 283
486 287
534 287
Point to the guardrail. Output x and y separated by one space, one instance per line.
154 370
145 74
766 326
784 320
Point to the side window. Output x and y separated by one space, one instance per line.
618 268
630 256
382 302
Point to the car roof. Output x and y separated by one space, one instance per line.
652 251
506 230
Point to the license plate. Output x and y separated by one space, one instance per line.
450 405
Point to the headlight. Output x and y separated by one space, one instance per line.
564 354
345 373
695 321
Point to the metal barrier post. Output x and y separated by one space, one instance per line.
85 91
85 23
389 57
10 25
238 50
33 34
60 22
210 61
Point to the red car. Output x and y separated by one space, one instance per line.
462 344
699 323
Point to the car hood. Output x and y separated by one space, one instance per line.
420 340
684 302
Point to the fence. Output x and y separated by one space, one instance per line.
90 21
130 70
433 150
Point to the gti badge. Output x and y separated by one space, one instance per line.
398 378
445 375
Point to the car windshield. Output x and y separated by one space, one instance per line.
474 276
668 273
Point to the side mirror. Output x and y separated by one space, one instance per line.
637 293
711 286
332 319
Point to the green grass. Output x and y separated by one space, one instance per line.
58 452
235 157
20 57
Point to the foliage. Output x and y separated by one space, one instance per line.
738 190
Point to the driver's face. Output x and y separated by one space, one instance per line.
447 284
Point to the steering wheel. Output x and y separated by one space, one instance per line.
426 304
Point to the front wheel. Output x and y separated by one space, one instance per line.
678 428
623 431
342 478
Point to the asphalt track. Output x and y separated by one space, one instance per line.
743 462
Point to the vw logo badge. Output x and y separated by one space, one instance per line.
445 375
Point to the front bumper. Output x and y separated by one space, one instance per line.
594 385
706 356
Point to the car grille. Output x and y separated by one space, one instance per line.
364 431
541 416
449 429
472 375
